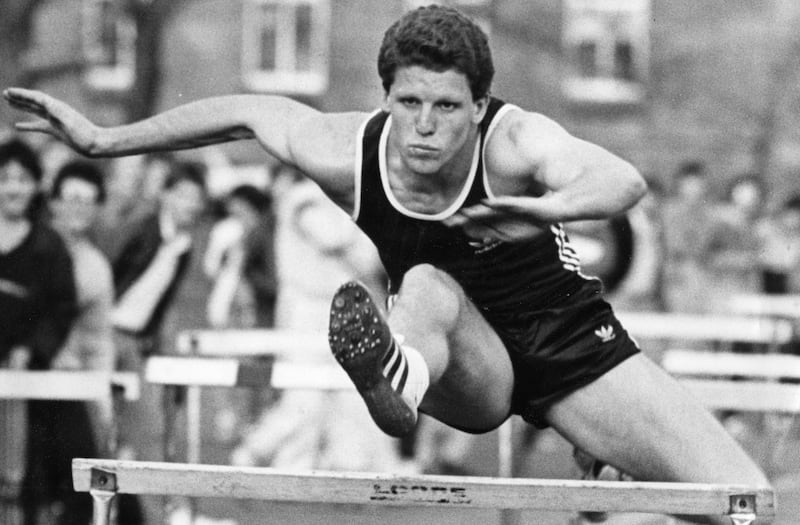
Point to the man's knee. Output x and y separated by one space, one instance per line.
432 291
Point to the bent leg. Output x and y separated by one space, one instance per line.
471 376
641 420
453 348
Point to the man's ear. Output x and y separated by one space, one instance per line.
385 105
480 106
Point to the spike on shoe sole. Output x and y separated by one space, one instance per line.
360 340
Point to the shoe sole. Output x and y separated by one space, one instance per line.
360 340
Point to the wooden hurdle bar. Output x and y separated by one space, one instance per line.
712 328
67 385
103 479
764 305
707 373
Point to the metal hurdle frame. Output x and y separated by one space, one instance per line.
103 479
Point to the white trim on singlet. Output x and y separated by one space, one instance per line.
359 165
450 210
492 126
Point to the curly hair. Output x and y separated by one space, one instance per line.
437 38
86 171
16 149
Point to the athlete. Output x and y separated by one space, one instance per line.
463 196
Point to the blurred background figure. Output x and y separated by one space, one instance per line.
240 260
72 428
733 242
148 267
642 287
687 216
37 308
780 254
317 247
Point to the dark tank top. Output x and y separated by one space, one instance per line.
501 278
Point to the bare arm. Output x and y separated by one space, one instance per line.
321 145
580 180
543 175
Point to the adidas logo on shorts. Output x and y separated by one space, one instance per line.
605 333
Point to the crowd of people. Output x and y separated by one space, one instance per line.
703 239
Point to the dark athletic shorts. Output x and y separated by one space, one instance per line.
555 352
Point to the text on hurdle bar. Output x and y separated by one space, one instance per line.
66 385
176 479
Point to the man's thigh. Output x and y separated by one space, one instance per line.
474 390
639 419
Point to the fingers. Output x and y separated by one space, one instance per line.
25 100
479 212
38 126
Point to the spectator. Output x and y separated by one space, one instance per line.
78 194
687 214
733 245
316 247
37 308
148 268
780 257
240 259
642 287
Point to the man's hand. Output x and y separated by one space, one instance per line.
56 118
508 218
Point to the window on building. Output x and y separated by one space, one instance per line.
606 43
109 45
286 46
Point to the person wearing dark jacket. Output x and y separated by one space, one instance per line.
38 305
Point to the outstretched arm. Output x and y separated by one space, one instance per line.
208 121
319 144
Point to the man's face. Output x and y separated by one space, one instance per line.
184 202
76 207
433 117
17 187
692 187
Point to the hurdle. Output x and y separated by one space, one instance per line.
706 373
103 479
55 385
765 305
249 342
711 328
67 385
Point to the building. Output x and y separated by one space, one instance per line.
656 82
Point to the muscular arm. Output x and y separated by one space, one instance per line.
541 175
579 180
321 145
